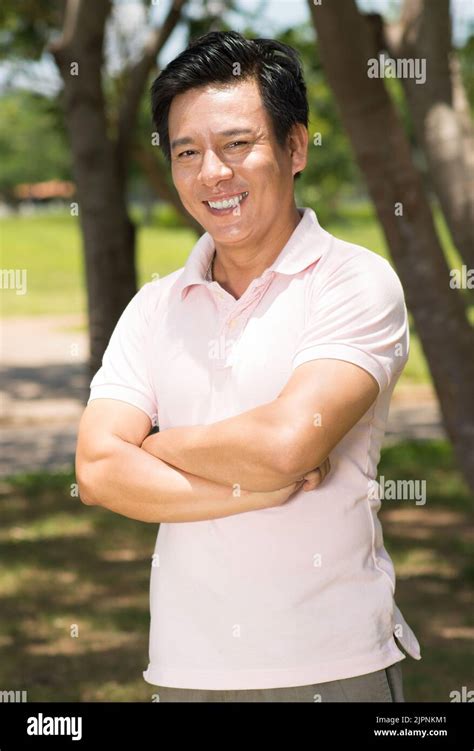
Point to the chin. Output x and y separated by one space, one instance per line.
223 228
227 234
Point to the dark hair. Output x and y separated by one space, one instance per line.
213 58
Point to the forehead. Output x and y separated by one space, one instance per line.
216 106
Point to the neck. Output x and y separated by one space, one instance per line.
235 267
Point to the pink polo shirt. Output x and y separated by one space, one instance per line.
287 596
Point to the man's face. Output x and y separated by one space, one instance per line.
223 146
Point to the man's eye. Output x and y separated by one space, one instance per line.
183 153
238 143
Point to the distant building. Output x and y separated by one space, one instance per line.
45 191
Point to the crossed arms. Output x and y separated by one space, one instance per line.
278 441
191 473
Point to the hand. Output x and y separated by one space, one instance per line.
310 481
315 477
272 498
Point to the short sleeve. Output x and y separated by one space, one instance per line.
358 314
124 373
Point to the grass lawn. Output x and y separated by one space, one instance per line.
49 247
66 565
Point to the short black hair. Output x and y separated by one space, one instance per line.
227 57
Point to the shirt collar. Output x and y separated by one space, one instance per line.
305 245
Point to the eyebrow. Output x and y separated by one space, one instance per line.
186 140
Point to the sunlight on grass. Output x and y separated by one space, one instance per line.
94 641
424 562
115 692
56 525
30 579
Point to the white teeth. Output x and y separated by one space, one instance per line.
228 203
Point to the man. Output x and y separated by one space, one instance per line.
273 348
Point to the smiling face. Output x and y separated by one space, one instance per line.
224 151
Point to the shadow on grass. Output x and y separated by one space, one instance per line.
431 545
72 569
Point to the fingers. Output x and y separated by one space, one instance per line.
315 477
324 469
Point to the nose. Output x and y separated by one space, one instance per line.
213 169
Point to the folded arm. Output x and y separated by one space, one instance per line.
114 472
278 442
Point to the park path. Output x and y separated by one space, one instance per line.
45 386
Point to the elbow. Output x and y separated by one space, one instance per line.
86 495
87 483
296 458
286 457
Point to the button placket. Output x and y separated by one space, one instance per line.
239 315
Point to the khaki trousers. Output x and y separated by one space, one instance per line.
381 686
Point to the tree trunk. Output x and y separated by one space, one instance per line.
108 233
99 163
382 150
446 136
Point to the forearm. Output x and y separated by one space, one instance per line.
245 450
133 483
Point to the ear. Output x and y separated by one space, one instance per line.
298 146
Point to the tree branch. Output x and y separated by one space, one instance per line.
138 77
70 20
